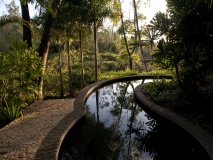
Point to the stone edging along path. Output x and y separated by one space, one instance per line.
203 137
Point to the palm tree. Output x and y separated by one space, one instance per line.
151 36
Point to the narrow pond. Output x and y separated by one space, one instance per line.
116 128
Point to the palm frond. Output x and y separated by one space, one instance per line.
7 19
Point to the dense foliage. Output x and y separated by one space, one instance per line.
75 49
186 50
19 70
187 46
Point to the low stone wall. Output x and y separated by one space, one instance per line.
203 137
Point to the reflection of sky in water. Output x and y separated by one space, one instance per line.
107 100
104 113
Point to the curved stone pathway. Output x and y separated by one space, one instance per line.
21 139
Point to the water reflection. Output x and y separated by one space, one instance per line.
138 135
117 128
114 106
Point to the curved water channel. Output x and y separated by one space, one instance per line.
117 128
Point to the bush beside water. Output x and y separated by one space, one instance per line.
195 105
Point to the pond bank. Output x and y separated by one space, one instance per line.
203 137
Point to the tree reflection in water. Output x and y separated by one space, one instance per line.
165 141
114 107
121 130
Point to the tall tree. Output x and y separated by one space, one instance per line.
82 57
139 35
74 17
69 62
98 11
27 35
45 41
123 31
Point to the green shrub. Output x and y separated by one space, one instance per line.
10 110
108 66
157 89
108 57
114 74
19 70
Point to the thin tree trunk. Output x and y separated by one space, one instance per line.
127 47
69 66
139 36
61 79
125 40
27 36
44 45
96 61
82 60
111 39
177 74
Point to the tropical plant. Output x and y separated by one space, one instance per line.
10 109
193 32
18 72
18 85
157 89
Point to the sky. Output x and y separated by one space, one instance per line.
3 7
148 10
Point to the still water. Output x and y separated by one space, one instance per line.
117 128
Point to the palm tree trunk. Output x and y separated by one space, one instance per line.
44 45
27 36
